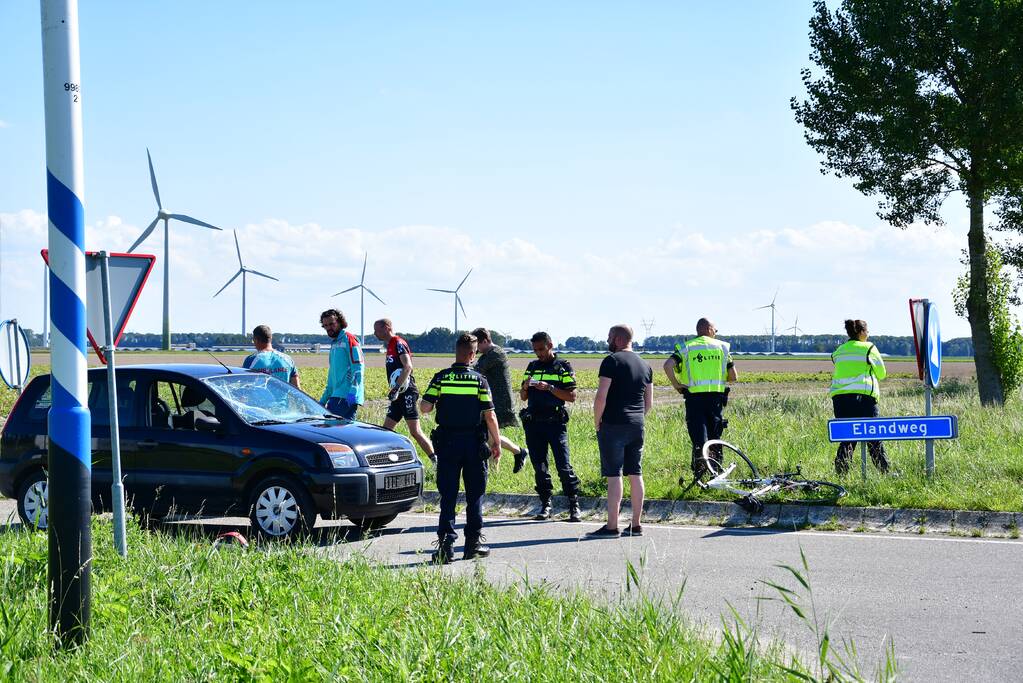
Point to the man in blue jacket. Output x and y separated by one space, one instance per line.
345 390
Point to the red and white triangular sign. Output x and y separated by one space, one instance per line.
128 274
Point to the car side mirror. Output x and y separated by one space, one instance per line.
208 424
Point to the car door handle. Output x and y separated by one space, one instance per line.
147 444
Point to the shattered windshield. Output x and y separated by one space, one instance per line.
263 399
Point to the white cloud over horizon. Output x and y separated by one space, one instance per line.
825 272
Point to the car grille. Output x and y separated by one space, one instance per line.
391 495
384 459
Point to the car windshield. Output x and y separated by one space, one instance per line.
263 399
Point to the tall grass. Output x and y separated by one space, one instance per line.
177 609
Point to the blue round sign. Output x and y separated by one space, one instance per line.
933 345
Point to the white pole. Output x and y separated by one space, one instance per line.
117 489
46 306
69 422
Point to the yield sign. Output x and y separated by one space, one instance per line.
128 274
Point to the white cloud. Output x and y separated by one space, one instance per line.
826 272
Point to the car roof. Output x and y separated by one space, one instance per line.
194 370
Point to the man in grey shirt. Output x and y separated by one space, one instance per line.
492 363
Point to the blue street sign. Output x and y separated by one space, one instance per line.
894 428
933 345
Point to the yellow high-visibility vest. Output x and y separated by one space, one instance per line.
858 367
702 364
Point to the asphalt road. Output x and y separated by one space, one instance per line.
952 606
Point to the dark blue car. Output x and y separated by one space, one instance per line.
213 441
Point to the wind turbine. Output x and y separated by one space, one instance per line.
362 300
162 215
772 307
242 270
458 300
795 327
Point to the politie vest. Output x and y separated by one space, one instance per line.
858 367
702 365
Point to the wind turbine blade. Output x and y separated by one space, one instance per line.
194 221
760 307
459 300
463 281
256 272
145 233
345 291
152 179
374 295
238 249
446 291
364 259
228 282
775 295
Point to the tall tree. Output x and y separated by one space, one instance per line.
915 100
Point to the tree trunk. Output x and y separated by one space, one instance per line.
978 308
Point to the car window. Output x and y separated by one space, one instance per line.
175 405
99 403
41 407
259 398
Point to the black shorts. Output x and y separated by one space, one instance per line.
405 406
621 449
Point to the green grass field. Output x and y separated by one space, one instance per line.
178 609
784 425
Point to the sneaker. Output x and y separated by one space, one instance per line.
520 461
546 510
573 510
604 532
634 530
443 553
475 548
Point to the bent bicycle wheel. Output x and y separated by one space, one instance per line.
719 455
809 492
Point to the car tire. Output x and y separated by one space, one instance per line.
33 501
373 523
280 508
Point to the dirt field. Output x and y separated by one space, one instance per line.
959 370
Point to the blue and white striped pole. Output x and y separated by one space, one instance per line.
70 460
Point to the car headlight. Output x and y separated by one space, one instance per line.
340 455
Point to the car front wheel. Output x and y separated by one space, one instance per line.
33 501
281 508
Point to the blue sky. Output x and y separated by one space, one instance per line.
594 162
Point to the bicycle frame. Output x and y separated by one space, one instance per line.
721 482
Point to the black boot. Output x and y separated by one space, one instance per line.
573 510
520 460
443 554
545 509
474 547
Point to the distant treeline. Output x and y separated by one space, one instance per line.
441 340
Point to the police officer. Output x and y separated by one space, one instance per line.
465 418
855 388
699 369
548 384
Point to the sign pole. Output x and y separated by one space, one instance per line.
863 459
69 422
17 361
929 443
117 489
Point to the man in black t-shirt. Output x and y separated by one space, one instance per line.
548 384
624 396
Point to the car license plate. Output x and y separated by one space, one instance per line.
400 481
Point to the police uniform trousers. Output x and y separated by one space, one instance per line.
857 405
704 421
459 456
553 434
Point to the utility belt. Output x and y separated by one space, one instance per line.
553 415
686 394
441 435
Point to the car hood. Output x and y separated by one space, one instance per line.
363 438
